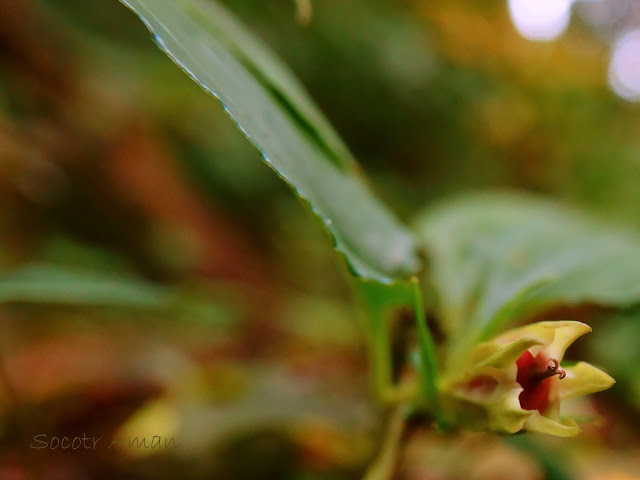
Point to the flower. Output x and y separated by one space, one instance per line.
515 381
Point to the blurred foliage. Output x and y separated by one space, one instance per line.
115 162
499 257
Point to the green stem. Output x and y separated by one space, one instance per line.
381 362
428 361
385 464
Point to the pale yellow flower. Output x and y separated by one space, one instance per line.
517 381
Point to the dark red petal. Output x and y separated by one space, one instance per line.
535 394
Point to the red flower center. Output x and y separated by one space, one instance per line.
535 376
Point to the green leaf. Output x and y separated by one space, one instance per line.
498 257
276 115
60 285
274 75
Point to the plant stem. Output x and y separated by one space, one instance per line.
383 377
428 361
384 466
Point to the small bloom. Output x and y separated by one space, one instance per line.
517 381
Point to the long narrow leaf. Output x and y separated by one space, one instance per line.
273 73
217 57
61 285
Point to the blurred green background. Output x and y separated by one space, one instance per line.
237 335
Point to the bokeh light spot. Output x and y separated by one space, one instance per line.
540 20
624 69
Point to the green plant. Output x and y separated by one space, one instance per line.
493 259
